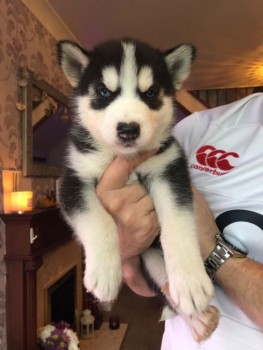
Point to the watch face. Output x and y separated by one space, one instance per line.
234 243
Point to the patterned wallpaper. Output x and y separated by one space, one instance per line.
24 41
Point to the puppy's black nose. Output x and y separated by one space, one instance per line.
128 131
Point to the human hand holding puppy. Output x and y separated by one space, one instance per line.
135 217
137 223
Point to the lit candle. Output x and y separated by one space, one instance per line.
21 201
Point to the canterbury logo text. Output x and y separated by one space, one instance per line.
214 161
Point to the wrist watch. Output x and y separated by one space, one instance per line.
221 253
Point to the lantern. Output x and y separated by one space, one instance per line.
86 324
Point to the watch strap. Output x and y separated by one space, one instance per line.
220 254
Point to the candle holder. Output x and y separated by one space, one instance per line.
114 322
21 201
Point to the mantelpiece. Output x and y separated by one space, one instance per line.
28 237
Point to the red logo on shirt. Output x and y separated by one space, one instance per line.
214 161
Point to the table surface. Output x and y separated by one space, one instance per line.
105 338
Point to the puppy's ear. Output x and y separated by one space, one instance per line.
179 61
73 60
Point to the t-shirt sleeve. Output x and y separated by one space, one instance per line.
187 132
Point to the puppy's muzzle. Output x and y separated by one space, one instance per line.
128 131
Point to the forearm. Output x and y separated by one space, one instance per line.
133 277
242 280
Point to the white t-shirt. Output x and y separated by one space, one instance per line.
224 147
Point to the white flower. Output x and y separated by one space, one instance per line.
45 332
73 339
73 347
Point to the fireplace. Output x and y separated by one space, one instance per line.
59 286
61 300
40 253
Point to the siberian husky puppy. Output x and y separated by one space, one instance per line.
124 104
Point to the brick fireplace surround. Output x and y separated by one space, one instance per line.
39 249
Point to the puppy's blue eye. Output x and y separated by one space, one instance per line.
151 93
104 92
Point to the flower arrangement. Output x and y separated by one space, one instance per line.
58 337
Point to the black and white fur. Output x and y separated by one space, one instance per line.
123 104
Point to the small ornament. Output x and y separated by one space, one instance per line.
20 106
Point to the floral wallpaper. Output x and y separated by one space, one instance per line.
25 42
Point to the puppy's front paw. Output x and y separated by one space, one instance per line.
191 292
203 325
103 279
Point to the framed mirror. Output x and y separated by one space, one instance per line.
45 125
